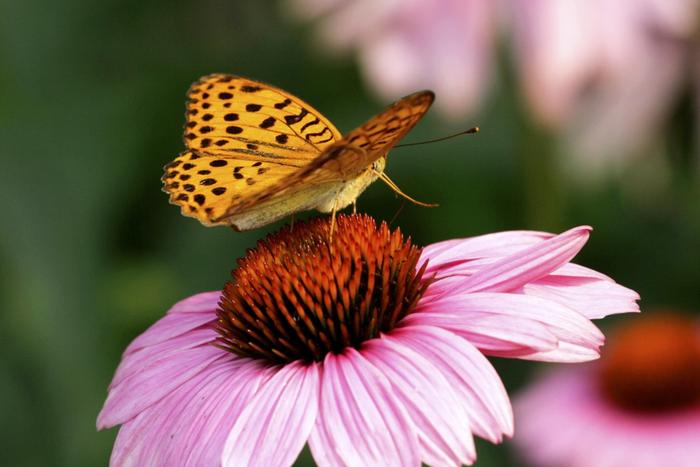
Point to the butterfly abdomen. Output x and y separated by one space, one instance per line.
349 191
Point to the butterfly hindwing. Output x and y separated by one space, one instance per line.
206 185
381 132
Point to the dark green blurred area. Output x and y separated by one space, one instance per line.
91 253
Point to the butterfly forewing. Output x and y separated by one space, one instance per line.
240 116
243 137
384 130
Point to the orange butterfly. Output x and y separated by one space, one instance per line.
257 153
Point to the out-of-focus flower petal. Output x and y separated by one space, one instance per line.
562 420
406 45
361 421
604 72
275 425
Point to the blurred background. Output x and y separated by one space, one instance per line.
588 115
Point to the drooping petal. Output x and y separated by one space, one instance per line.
487 320
154 382
275 425
134 362
190 425
592 294
514 271
170 326
490 332
565 353
204 302
468 371
440 416
361 421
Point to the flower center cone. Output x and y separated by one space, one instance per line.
302 293
653 364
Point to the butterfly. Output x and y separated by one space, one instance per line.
256 153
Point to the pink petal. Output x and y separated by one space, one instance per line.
592 296
215 419
432 403
483 260
565 353
136 361
170 326
190 425
478 317
468 371
445 254
490 333
151 384
361 421
204 302
275 425
514 271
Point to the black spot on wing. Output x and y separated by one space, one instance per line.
292 119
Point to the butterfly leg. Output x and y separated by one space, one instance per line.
354 206
330 238
291 223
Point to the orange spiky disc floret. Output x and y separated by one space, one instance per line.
300 293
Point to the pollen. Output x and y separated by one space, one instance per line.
302 293
653 364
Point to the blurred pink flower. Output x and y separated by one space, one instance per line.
638 406
405 45
607 72
603 72
370 350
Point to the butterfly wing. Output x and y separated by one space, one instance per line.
383 131
230 113
353 154
243 136
206 185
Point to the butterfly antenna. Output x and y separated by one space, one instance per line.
470 131
398 211
383 177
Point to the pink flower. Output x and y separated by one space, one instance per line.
607 72
368 349
405 45
604 73
640 405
